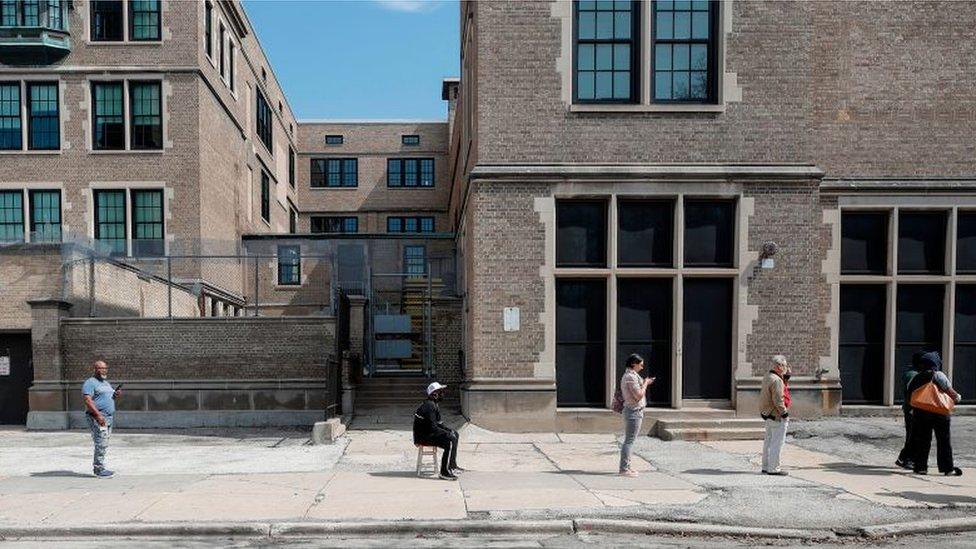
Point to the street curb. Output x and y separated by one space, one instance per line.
943 526
615 526
162 529
461 526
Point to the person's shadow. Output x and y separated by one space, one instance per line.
59 474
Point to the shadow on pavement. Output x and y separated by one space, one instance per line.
939 499
60 474
855 469
394 474
718 472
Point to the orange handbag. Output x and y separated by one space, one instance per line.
928 397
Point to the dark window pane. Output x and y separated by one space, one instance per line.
394 224
265 197
10 128
289 265
147 223
415 260
644 235
921 242
394 172
45 216
709 233
581 233
964 355
605 43
109 116
208 29
44 127
144 20
106 20
864 243
426 224
11 216
644 315
333 140
410 139
146 109
862 342
966 243
427 172
918 324
683 49
581 317
264 120
706 367
110 221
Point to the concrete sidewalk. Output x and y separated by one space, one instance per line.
368 475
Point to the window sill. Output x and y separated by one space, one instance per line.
288 287
417 188
658 108
334 188
126 151
37 152
125 43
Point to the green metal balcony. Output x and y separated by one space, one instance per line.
34 32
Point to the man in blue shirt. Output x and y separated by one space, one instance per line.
99 399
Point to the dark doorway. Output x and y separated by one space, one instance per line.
644 327
581 335
16 376
964 357
706 368
862 342
918 325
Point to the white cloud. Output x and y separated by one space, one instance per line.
412 6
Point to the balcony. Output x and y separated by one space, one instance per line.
34 32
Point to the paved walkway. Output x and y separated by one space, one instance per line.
274 475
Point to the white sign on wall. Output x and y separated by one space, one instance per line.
4 365
510 319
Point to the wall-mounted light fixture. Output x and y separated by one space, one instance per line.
769 249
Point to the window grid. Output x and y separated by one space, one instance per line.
9 14
55 15
147 223
683 51
333 140
265 131
45 216
144 23
43 131
110 221
30 13
106 20
410 224
11 137
410 172
334 172
410 139
109 116
146 115
289 266
334 224
606 51
11 216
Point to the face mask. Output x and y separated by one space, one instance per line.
786 377
435 397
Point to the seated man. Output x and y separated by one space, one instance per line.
429 431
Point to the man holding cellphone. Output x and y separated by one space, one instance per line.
99 399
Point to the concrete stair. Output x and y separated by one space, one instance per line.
402 390
728 428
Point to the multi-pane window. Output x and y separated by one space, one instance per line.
144 23
9 14
289 265
208 29
110 231
146 115
147 223
107 20
333 140
291 166
45 216
11 134
334 224
683 51
415 260
11 216
109 116
606 51
222 49
32 13
413 224
334 172
43 123
55 14
410 172
264 127
265 196
410 139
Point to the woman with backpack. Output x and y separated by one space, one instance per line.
936 418
630 401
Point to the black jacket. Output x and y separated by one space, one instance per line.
427 426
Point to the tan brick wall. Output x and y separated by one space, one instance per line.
27 273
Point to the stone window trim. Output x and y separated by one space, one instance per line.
165 91
24 85
676 272
891 279
727 89
27 192
129 187
126 27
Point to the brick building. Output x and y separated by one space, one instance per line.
706 183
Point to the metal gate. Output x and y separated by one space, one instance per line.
400 327
16 377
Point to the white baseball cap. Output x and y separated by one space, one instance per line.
435 387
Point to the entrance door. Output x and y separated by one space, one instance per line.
16 376
644 327
706 367
581 335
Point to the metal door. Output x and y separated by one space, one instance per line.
16 377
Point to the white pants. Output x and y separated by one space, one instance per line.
773 444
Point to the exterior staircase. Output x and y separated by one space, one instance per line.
405 391
727 428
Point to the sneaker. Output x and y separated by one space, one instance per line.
628 473
447 476
458 470
104 473
955 472
920 471
905 463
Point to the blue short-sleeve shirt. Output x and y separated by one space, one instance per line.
102 394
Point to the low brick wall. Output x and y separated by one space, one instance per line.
196 372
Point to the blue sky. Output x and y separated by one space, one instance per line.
374 59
